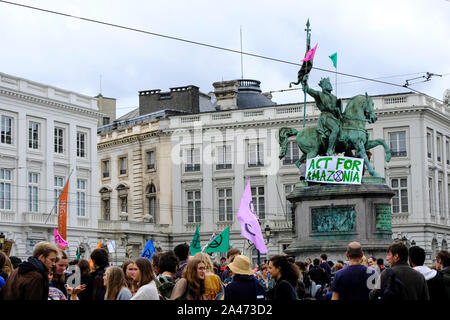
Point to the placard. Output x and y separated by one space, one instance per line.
335 169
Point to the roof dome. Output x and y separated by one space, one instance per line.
250 95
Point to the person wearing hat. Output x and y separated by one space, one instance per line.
244 286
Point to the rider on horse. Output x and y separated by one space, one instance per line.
329 122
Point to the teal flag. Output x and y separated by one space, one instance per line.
333 58
221 243
195 244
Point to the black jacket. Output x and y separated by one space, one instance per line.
318 275
244 288
283 291
95 289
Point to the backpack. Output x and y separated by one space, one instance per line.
165 287
394 288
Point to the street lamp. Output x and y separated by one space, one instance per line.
268 232
413 243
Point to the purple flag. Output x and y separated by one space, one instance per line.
250 228
310 54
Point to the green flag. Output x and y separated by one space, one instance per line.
221 243
333 58
195 244
78 253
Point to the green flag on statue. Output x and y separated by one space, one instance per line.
333 58
221 243
195 244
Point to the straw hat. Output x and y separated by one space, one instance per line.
241 265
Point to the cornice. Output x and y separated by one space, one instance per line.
129 139
49 103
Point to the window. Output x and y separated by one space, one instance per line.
81 198
287 190
225 204
124 204
58 186
33 135
150 160
123 165
397 143
258 202
106 209
439 148
105 166
431 195
291 153
447 151
223 157
151 195
59 140
81 144
106 121
441 198
429 145
6 130
5 189
255 155
192 160
194 203
400 199
33 186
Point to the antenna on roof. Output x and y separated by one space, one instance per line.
242 57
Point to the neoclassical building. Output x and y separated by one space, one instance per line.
212 153
46 135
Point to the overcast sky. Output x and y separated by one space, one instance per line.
394 40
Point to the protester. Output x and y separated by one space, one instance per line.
244 286
214 288
84 269
145 278
317 274
30 280
372 262
192 284
116 285
351 283
182 252
168 266
266 282
129 269
286 277
364 261
411 284
435 282
59 278
53 292
95 289
155 263
308 263
5 266
380 264
227 275
326 267
442 263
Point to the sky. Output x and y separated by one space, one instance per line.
393 41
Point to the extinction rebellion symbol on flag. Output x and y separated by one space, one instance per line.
341 170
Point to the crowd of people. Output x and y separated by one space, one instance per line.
177 275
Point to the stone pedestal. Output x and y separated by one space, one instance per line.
329 216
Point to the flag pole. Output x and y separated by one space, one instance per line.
48 216
308 46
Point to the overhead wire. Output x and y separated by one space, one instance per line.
206 45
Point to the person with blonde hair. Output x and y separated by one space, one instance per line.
116 285
213 285
6 267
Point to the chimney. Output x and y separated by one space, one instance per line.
226 94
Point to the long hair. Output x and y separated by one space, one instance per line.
132 284
195 285
5 264
206 260
115 281
288 271
145 268
84 266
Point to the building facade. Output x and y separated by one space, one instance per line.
47 135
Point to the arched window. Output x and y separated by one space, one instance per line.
434 248
123 200
152 203
444 245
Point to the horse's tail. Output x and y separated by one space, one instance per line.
283 136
